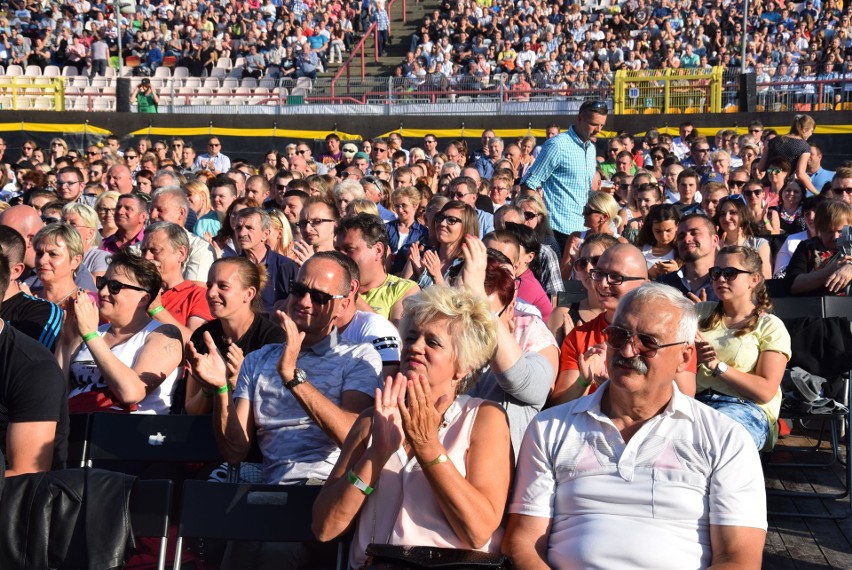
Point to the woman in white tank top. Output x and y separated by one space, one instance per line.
132 362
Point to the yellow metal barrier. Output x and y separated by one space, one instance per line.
21 93
665 91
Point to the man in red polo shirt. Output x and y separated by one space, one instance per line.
620 269
182 303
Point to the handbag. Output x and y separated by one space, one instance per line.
398 557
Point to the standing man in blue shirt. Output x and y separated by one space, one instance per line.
565 168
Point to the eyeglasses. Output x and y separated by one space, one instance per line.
613 278
50 219
92 152
317 297
105 211
313 223
618 337
131 156
587 211
115 286
702 150
752 193
582 263
433 141
450 220
379 149
774 170
67 182
840 191
458 194
215 144
737 183
58 144
658 157
728 273
597 106
28 148
303 151
530 215
755 131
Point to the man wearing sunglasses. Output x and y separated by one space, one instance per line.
213 160
841 184
565 169
305 395
640 455
464 189
619 270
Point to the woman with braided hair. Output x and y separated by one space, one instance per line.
742 348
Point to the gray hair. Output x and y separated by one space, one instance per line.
351 186
175 193
448 166
176 235
651 291
163 173
265 221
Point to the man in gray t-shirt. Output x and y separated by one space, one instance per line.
299 399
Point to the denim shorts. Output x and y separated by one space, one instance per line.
744 412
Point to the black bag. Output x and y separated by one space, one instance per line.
389 556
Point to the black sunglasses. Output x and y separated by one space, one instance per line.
587 211
114 286
530 215
451 220
317 297
737 183
583 262
597 106
840 191
728 273
750 193
618 337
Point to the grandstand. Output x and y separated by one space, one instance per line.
799 54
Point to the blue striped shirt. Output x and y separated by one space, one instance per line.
564 170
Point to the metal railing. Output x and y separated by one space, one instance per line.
666 91
23 93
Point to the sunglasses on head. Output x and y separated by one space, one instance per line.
317 297
618 337
115 286
728 273
597 106
733 197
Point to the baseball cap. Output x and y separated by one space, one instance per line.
712 177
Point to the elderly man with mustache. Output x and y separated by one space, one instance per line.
678 483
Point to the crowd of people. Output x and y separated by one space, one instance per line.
461 45
383 318
274 38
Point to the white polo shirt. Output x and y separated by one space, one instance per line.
648 503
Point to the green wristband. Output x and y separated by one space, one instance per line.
89 336
156 310
358 483
222 389
582 382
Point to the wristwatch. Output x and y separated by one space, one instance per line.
720 369
299 377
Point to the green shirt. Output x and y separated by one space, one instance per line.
145 103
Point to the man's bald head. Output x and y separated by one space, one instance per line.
622 262
26 221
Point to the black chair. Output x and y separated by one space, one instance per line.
837 423
151 438
78 439
150 502
265 513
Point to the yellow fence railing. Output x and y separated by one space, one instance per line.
23 93
668 91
